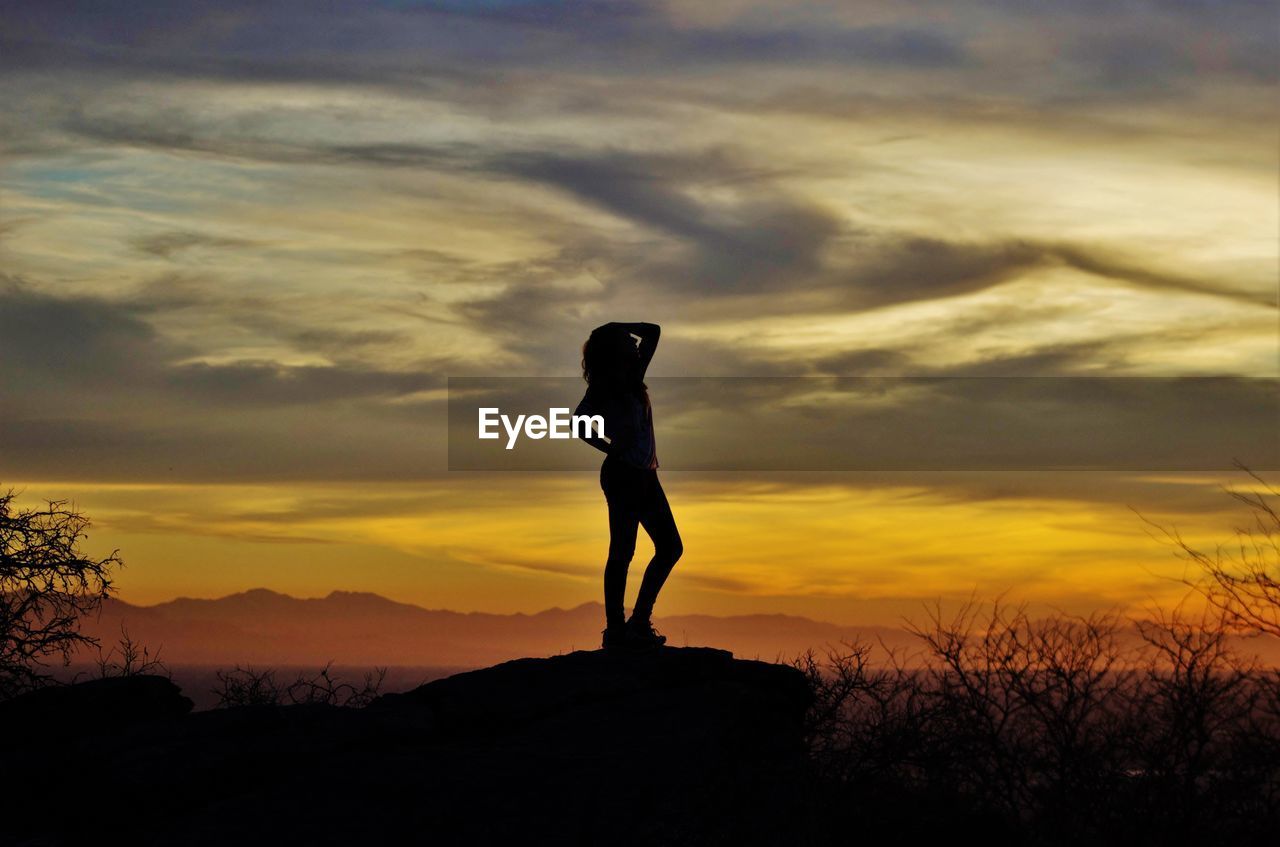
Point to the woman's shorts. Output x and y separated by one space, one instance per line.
627 486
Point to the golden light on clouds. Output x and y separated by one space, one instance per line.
832 551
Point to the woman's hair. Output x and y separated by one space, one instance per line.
602 361
607 365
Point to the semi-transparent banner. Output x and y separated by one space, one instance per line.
885 423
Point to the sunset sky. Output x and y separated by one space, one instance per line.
244 245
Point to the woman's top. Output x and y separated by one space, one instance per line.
628 418
628 424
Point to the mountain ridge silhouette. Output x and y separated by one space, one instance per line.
349 627
262 626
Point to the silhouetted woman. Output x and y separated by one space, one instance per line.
614 366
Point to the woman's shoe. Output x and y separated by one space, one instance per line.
643 633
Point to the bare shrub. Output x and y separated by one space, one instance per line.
1200 732
323 687
1022 707
865 719
245 686
46 585
1051 729
128 657
1242 580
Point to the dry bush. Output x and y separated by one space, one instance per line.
1023 710
128 657
1205 733
248 687
244 686
866 718
46 585
1050 729
325 688
1053 730
1242 580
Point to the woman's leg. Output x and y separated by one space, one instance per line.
624 521
667 548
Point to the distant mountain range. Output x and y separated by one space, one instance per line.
265 628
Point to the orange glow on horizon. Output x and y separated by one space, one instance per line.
829 552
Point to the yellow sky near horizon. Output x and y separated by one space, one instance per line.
830 552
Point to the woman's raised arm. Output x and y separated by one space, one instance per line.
648 333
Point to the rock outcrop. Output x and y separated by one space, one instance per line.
98 705
672 747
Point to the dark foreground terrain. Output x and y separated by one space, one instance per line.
684 746
679 746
